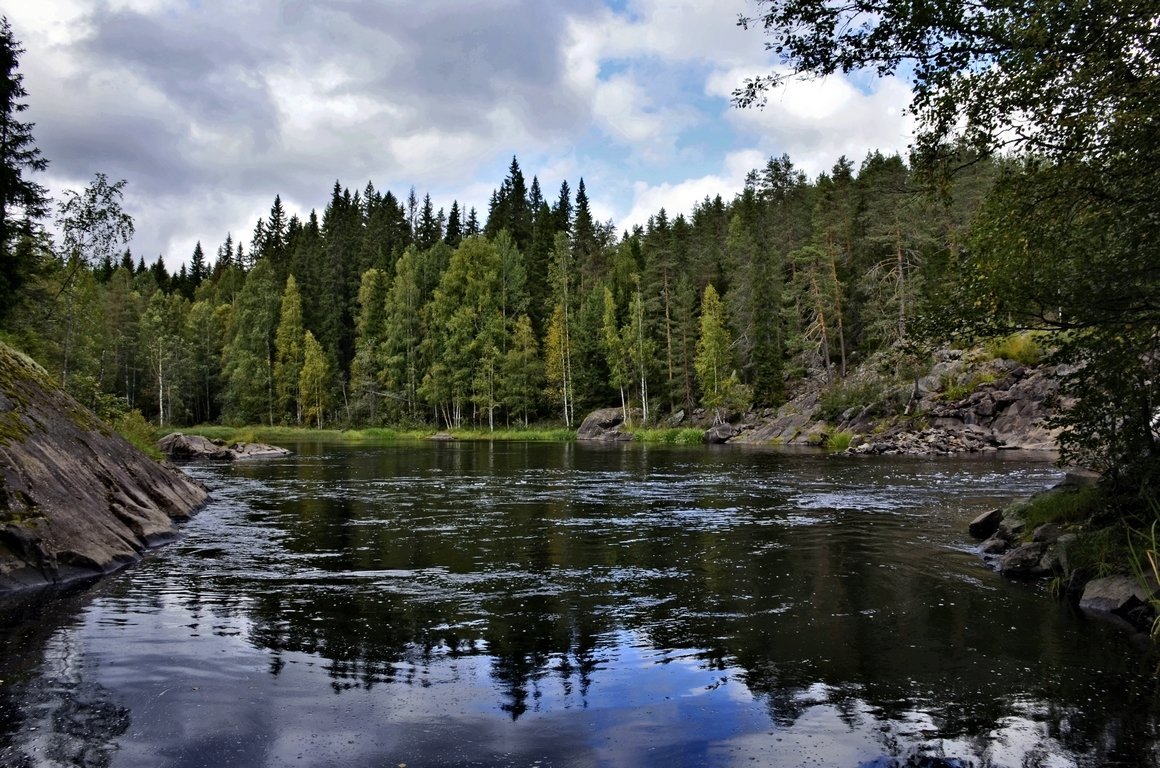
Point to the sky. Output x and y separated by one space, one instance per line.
210 108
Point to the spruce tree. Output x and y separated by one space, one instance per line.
22 201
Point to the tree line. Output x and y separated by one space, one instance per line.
387 311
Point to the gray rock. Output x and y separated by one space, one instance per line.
76 500
1113 594
994 546
1048 533
1062 547
603 425
720 433
1024 561
985 525
183 447
676 419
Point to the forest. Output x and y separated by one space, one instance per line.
1027 204
383 310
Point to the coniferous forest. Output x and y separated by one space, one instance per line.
383 309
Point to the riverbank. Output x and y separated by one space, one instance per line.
1095 548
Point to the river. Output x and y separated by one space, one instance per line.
431 604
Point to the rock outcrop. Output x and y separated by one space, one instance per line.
183 447
604 425
958 407
76 499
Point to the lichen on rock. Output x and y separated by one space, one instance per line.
76 499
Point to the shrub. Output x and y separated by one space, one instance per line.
1020 347
843 396
839 441
1062 507
133 427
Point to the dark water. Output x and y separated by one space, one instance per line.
564 605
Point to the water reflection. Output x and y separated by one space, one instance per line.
455 604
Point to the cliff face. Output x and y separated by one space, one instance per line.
76 499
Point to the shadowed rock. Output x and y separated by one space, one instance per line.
184 447
76 499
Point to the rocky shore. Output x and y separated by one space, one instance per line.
76 499
1019 549
959 406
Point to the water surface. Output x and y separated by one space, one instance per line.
571 605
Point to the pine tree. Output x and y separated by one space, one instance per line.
197 268
720 388
523 372
454 226
248 359
22 201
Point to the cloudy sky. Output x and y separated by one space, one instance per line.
208 108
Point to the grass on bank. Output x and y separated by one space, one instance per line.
669 435
262 434
838 442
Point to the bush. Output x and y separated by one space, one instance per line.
670 436
953 391
133 427
839 441
863 396
1063 507
1020 347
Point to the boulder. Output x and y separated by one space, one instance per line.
1048 533
1024 561
1113 594
985 525
603 425
719 433
76 499
181 447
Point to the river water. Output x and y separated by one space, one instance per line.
571 605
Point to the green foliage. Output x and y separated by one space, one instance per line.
23 202
1023 348
133 427
837 442
1099 553
314 381
958 388
670 436
1144 548
855 397
1063 507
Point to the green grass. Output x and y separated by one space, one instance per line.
953 392
670 435
1020 347
1100 553
262 434
530 434
839 441
1063 507
133 427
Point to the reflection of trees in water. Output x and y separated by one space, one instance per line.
58 718
537 586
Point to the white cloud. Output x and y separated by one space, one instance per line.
683 196
210 114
